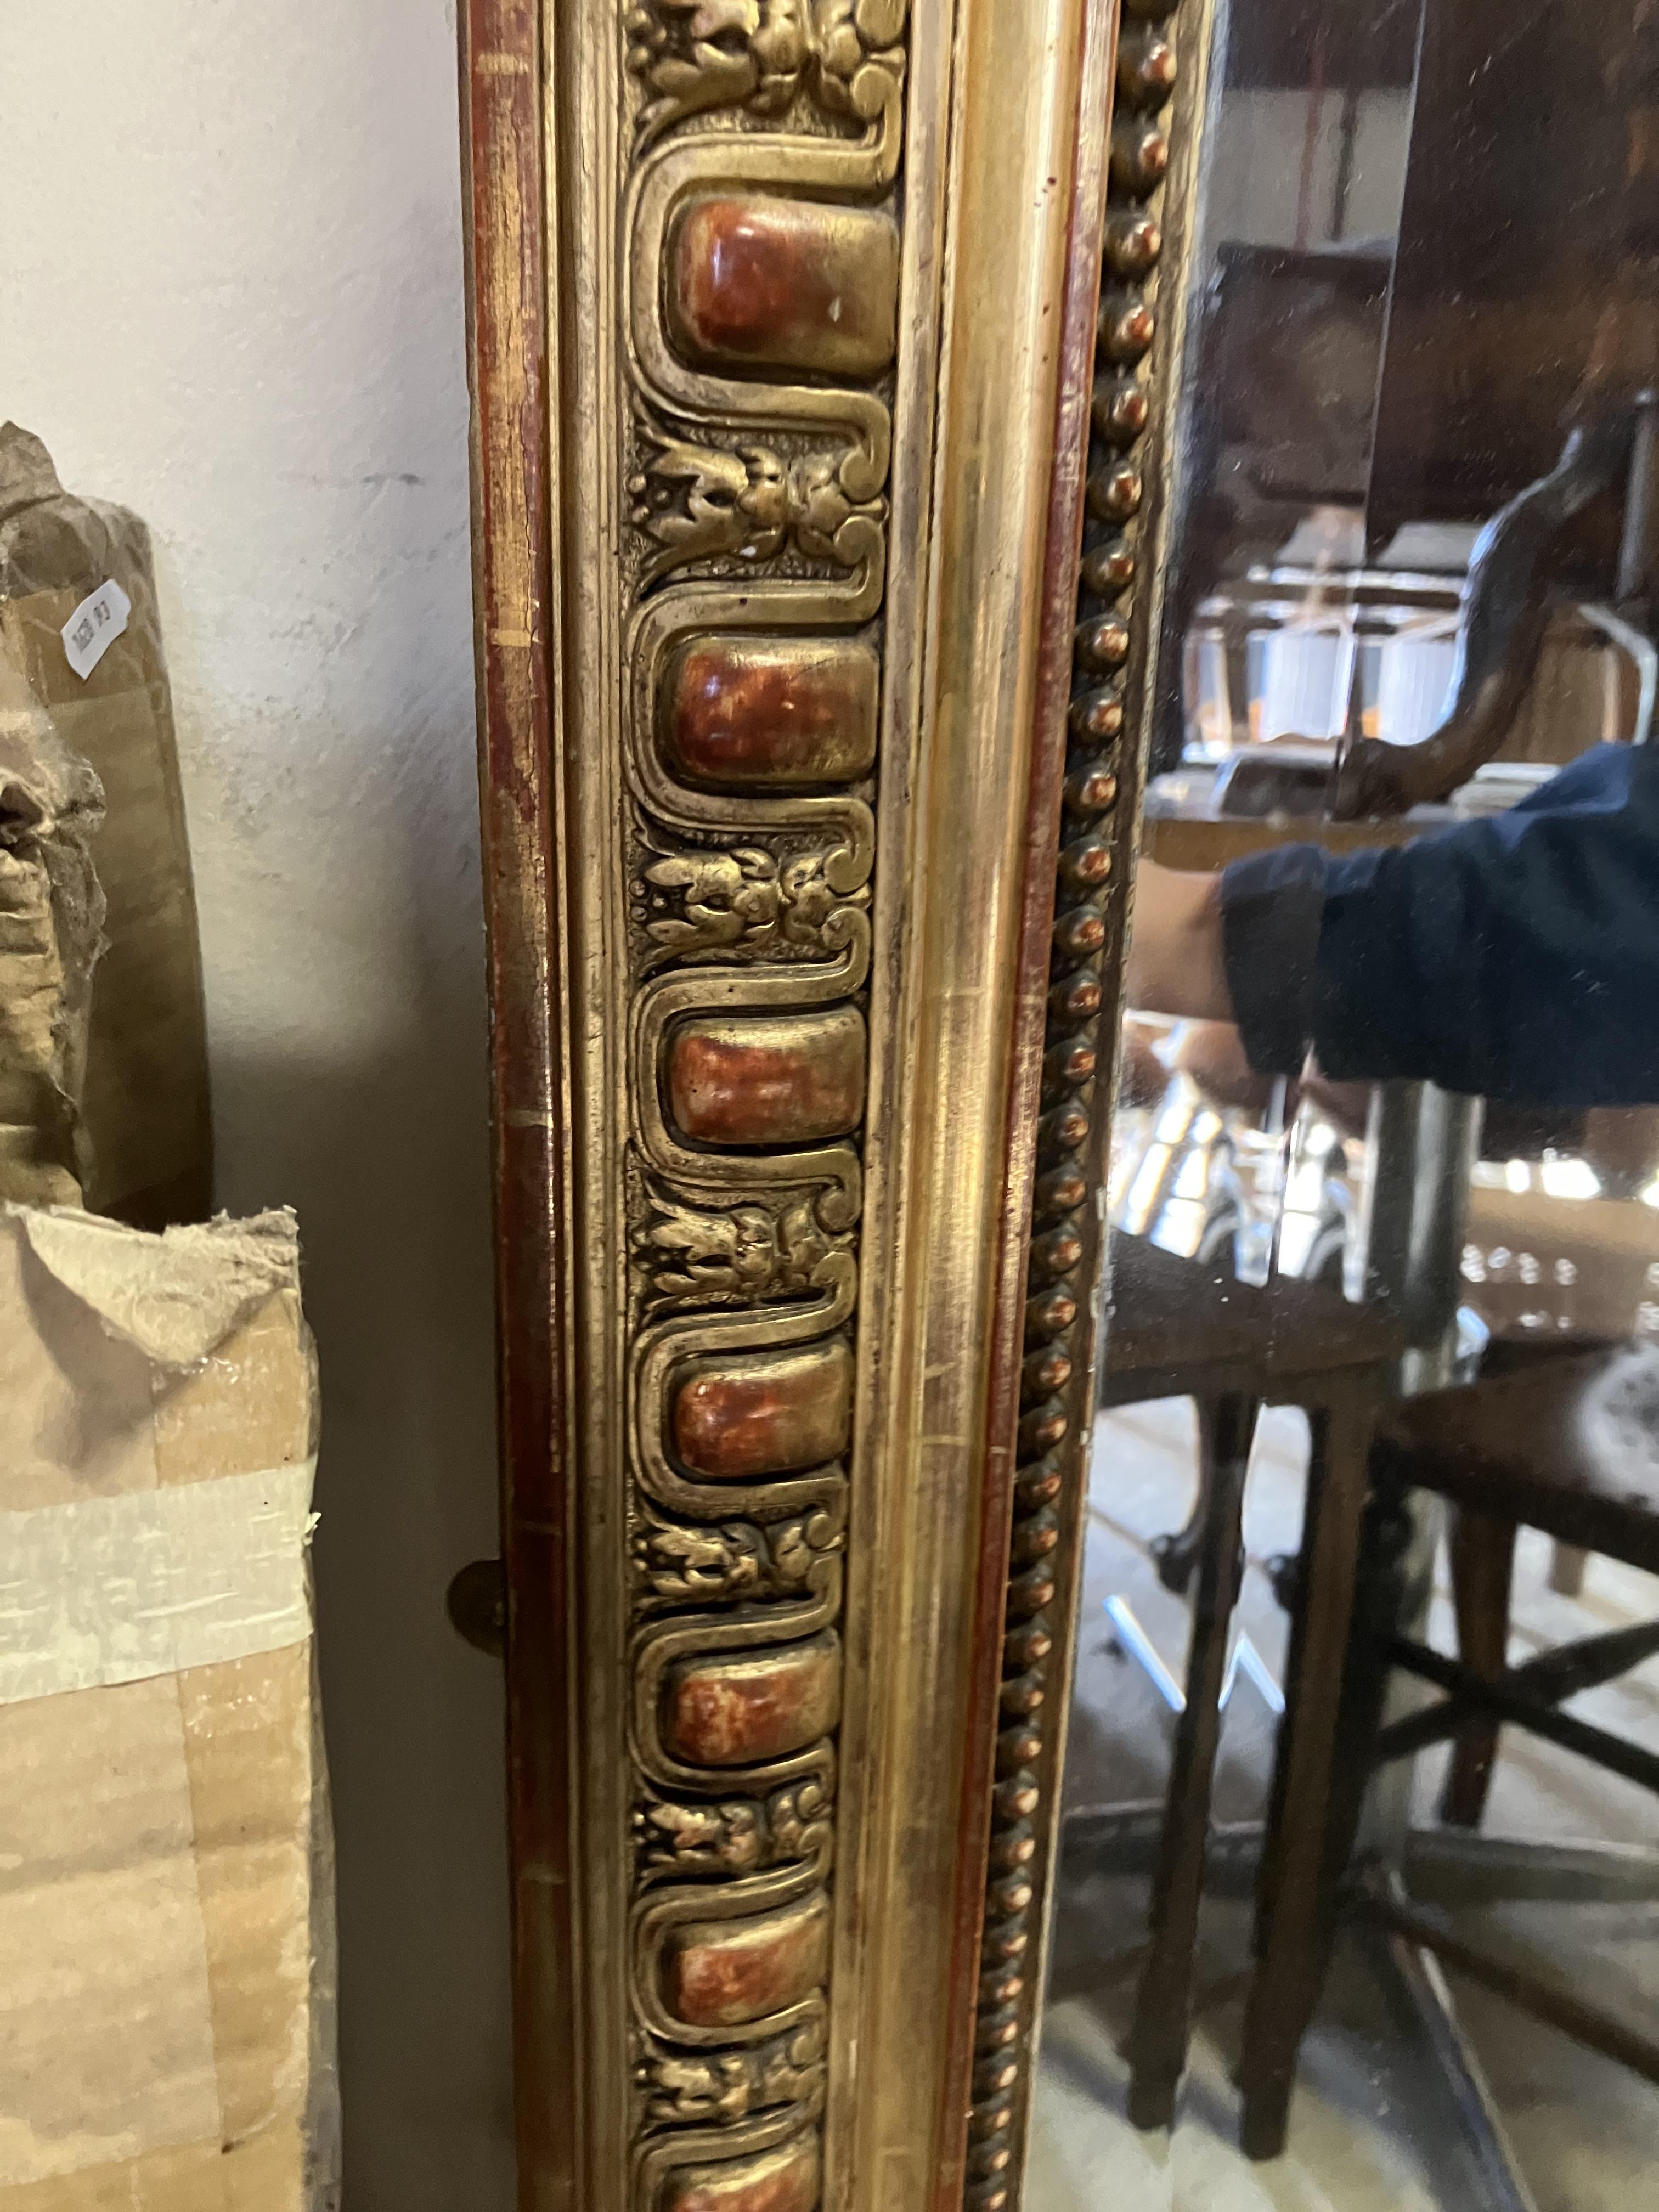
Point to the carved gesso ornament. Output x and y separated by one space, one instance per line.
761 229
761 54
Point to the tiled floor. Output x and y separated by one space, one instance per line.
1372 2126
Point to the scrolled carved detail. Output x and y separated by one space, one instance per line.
693 56
744 1255
746 899
737 1837
700 502
686 1566
724 2088
760 245
685 1157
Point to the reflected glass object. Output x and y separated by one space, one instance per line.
1293 262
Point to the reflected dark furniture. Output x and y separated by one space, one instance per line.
1570 1446
1481 1551
1184 1328
1529 238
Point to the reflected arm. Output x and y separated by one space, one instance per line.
1513 958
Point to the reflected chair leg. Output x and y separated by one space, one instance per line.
1177 1556
1482 1566
1157 2040
1381 1587
1295 1910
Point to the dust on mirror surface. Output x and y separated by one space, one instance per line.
1412 1276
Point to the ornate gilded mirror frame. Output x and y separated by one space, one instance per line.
810 792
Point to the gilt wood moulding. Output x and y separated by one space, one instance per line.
804 923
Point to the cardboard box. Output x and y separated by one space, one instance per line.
166 1955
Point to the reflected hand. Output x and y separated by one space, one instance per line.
1144 1076
1175 961
1212 1054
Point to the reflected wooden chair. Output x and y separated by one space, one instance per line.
1184 1328
1480 1555
1570 1446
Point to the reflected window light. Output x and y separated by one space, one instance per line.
1176 1119
1647 1317
1518 1175
1474 1264
1143 1191
1651 1193
1193 1177
1181 1227
1303 1186
1566 1274
1296 1232
1528 1268
1497 1258
1569 1179
1207 1127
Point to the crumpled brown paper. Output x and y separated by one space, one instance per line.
175 1296
146 1157
51 917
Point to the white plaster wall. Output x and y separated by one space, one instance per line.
231 297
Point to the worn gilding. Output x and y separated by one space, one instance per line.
767 1414
770 711
786 2180
783 284
722 1973
783 1079
740 1710
727 879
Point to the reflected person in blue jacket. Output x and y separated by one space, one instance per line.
1516 958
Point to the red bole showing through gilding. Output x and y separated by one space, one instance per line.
791 1079
785 284
770 1414
787 2180
738 1710
738 710
723 1973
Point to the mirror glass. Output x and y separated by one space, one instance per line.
1378 1428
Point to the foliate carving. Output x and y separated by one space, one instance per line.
746 1836
692 55
858 71
740 1257
743 503
1103 766
711 1566
755 523
746 897
723 2088
696 55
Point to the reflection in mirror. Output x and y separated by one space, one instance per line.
1358 1895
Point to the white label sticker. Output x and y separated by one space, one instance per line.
95 626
